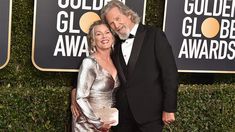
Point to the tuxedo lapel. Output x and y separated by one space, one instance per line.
117 61
138 42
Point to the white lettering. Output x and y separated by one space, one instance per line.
204 50
83 47
224 28
232 55
62 25
232 30
183 49
99 6
71 29
200 10
59 46
226 7
198 49
222 49
187 29
188 7
69 45
75 6
63 5
194 48
195 28
213 49
217 11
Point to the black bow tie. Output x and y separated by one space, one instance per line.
129 37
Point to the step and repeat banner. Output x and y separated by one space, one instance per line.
5 31
60 27
202 34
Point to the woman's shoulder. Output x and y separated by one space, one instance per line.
89 61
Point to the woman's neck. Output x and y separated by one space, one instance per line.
104 55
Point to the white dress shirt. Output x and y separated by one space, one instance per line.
128 44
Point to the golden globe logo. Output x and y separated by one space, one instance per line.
60 29
71 42
86 20
213 36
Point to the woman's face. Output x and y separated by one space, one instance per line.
103 38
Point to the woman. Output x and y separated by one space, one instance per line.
97 81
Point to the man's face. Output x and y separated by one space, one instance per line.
120 23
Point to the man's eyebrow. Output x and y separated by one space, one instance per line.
110 23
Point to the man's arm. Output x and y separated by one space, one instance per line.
74 106
167 63
169 72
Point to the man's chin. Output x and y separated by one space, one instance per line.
123 37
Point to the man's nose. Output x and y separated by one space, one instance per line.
116 24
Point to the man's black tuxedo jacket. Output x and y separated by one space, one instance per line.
152 81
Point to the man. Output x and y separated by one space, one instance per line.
147 97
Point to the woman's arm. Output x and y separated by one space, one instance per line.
86 78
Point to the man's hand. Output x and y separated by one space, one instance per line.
74 106
75 109
168 118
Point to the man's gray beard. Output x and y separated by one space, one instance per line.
123 37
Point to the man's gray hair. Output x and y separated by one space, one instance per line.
123 8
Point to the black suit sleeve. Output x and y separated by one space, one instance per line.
74 80
169 74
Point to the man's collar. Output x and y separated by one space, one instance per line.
134 29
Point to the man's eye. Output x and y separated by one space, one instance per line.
111 24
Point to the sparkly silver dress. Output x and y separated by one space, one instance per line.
95 90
